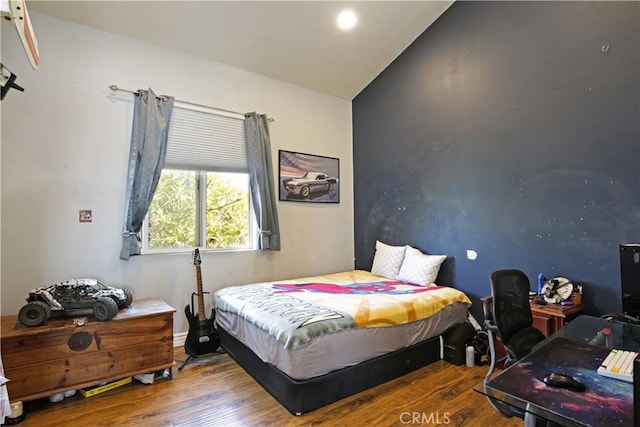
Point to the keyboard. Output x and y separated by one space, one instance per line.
619 365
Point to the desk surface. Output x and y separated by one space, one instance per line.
557 310
606 401
554 310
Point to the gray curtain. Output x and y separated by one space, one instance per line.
151 116
261 180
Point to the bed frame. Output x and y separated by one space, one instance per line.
300 396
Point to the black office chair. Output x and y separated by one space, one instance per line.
511 313
508 314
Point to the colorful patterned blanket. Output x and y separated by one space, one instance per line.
296 311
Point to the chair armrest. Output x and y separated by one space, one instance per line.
487 303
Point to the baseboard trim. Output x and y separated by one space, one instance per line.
179 339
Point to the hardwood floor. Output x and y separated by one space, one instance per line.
215 391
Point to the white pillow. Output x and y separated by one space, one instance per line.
418 268
387 260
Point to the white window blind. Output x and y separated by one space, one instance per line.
204 140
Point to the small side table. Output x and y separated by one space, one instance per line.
552 317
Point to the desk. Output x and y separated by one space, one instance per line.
552 317
606 402
547 318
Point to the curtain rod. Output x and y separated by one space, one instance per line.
165 98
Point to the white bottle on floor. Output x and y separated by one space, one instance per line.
470 356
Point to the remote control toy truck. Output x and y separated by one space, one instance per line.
70 296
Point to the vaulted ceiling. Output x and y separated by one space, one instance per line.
293 41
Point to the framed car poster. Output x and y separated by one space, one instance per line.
308 178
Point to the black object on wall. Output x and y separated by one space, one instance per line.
630 278
7 81
510 131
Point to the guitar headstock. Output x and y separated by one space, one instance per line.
196 257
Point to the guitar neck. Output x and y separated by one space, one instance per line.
201 316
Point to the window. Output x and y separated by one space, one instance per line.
202 198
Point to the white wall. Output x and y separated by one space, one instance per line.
65 143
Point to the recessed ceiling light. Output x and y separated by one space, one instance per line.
347 20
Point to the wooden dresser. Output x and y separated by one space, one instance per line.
58 356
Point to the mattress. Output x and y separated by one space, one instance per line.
343 342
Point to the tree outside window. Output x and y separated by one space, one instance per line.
199 209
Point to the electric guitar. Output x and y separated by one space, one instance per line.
202 337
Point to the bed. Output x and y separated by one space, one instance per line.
315 340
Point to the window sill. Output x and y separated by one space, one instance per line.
179 251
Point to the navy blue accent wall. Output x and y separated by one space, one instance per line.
511 129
